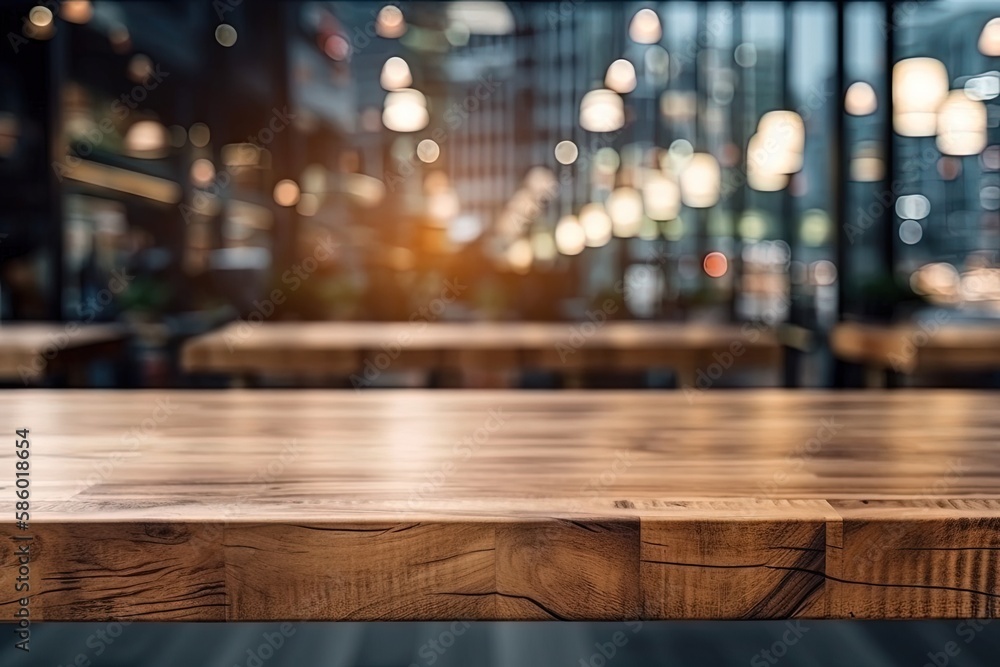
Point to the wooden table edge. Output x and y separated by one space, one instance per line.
818 559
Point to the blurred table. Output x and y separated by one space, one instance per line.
31 351
340 505
915 347
699 353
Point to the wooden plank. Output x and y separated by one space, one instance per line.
327 505
568 569
97 571
735 559
917 558
360 571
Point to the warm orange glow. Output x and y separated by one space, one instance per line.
989 38
76 11
661 197
286 193
715 264
40 16
866 162
860 99
938 281
520 255
405 110
621 76
701 181
444 206
602 110
337 47
202 172
625 208
596 225
395 74
390 22
919 86
570 237
146 139
780 142
961 125
124 180
645 27
436 182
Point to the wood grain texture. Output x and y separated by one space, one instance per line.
568 568
91 571
31 351
330 348
326 505
361 571
734 559
904 558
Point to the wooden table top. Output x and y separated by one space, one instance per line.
345 347
35 348
327 505
936 344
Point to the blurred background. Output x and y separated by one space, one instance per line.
826 173
168 165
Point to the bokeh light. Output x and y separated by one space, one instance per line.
428 151
566 152
286 192
715 264
225 34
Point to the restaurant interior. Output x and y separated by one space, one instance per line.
263 263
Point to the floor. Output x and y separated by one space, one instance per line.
714 644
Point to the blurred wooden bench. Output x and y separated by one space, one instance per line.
917 347
414 505
32 351
699 353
